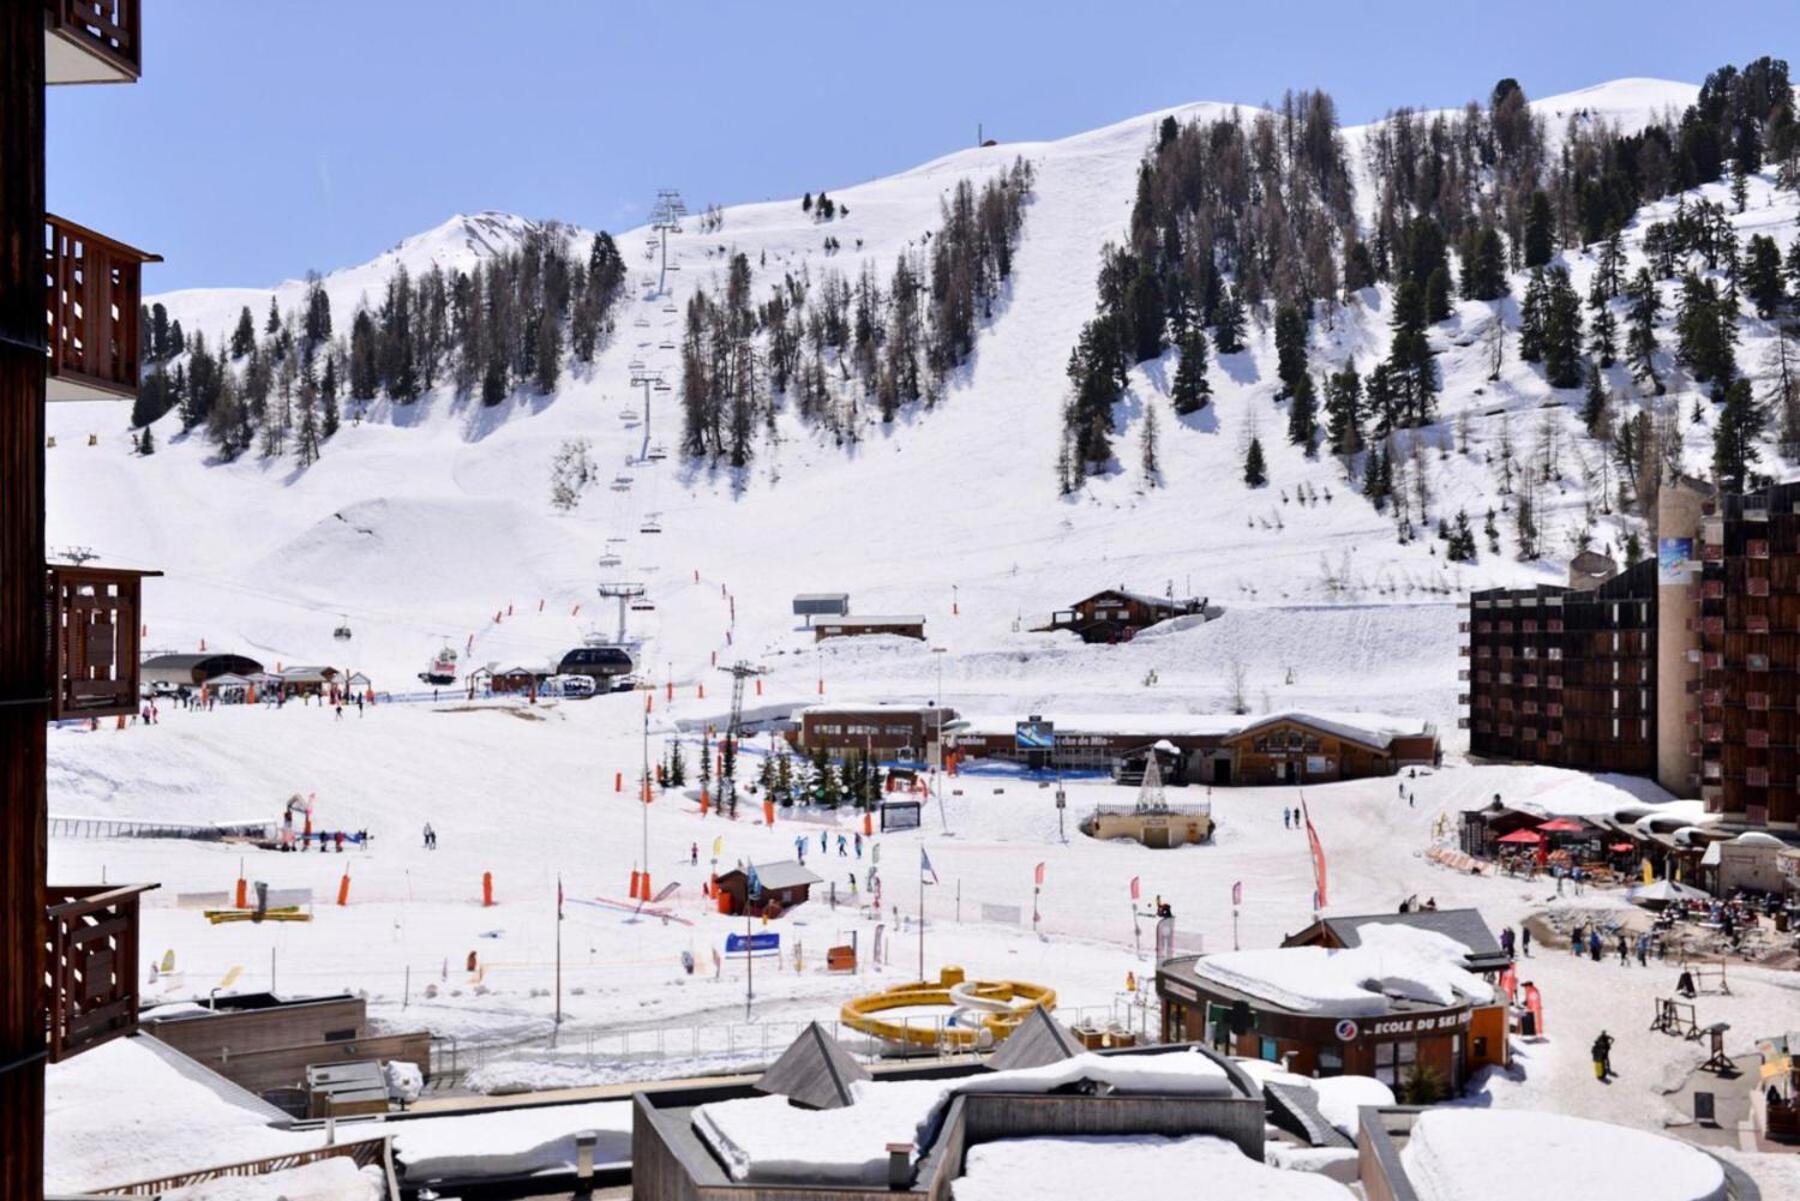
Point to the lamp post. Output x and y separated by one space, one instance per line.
937 655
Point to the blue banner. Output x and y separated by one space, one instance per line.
755 944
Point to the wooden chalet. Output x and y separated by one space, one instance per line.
1116 614
784 885
68 636
906 626
308 681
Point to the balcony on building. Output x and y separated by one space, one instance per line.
95 622
91 964
93 290
91 41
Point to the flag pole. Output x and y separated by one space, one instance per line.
921 923
559 922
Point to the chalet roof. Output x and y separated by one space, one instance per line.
1145 598
178 662
1038 1041
783 874
307 674
863 619
1464 925
815 1071
821 596
1374 738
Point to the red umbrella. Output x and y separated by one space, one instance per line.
1523 838
1561 825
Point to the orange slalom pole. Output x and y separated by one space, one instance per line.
343 889
487 889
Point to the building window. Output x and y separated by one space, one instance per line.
1393 1060
1331 1061
1267 1050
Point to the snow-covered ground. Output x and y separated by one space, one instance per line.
432 524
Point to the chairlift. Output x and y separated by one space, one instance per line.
650 527
657 454
642 323
670 307
342 633
616 538
642 607
610 560
662 386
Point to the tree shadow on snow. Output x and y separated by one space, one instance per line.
1240 367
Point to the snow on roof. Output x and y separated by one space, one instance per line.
1451 1155
785 874
511 1142
766 1139
336 1179
1145 1165
1393 960
851 708
1466 926
1338 1097
863 619
135 1110
1371 729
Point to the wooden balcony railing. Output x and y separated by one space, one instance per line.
91 964
94 627
93 287
91 41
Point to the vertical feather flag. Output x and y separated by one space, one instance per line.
1038 874
1137 890
927 873
1318 857
559 898
1237 893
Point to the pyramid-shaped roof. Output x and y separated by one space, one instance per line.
815 1071
1039 1040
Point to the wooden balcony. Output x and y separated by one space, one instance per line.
91 965
93 287
91 41
95 615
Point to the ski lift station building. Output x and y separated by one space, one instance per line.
905 626
821 604
191 671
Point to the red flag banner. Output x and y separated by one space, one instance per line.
1038 875
1237 893
1318 854
1137 890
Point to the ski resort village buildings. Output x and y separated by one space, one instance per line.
902 626
1685 668
1389 996
891 733
1116 615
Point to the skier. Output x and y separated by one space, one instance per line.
1624 951
1286 817
859 845
1506 941
339 711
1594 945
843 846
694 854
1525 939
1603 1056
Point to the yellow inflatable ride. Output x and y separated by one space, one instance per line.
982 1012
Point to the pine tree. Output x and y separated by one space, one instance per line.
1491 531
1484 272
1603 342
1740 426
1706 330
1595 409
1640 339
1437 295
1412 373
1540 231
243 338
272 324
1290 348
315 325
1461 539
1343 409
1562 332
365 375
328 401
1373 472
1229 334
1147 448
1303 416
1255 472
1191 391
1762 276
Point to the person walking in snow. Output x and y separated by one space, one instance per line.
1576 941
1525 939
1594 945
859 845
693 854
1506 941
824 842
1624 951
1286 817
1602 1052
1643 950
843 847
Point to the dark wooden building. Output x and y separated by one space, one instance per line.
906 626
193 670
784 885
1116 615
889 733
68 308
1565 676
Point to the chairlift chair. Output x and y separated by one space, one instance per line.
650 527
642 607
662 386
342 633
670 307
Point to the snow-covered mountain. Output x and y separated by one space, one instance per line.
424 522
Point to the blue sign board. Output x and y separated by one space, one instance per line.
754 944
1035 735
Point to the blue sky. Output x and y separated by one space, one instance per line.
266 138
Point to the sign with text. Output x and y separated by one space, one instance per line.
753 944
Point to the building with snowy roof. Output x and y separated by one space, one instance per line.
191 671
1399 1003
812 1127
1466 926
1453 1154
1117 614
904 625
1210 748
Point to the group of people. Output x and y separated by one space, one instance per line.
1521 944
1292 819
845 844
1588 940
